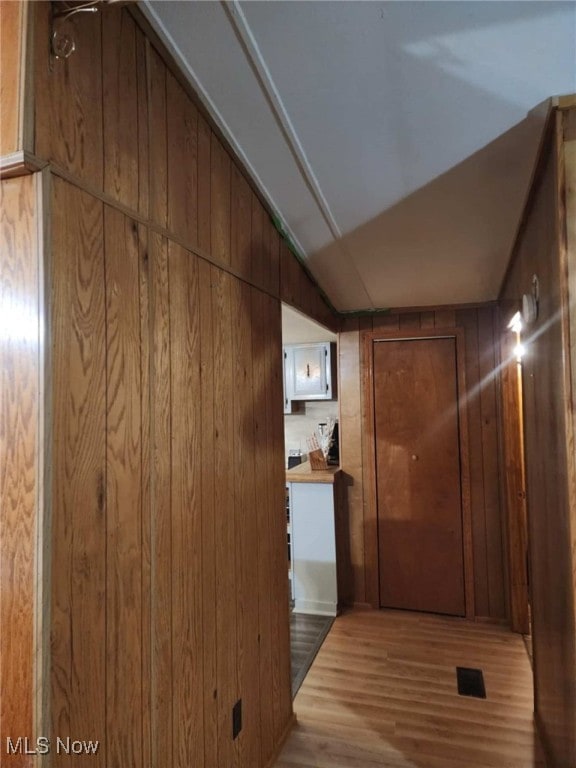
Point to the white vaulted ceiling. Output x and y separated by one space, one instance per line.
396 140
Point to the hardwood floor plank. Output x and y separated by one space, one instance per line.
382 692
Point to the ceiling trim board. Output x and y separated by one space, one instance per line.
174 50
239 23
252 50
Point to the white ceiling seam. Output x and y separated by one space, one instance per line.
216 116
252 51
254 54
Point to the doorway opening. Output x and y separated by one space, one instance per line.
310 423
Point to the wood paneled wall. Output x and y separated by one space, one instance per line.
129 128
541 250
359 581
13 32
21 473
169 585
168 580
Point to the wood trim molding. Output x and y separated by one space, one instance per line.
370 511
20 163
539 163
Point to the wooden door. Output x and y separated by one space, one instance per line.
421 561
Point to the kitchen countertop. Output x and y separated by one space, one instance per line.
303 473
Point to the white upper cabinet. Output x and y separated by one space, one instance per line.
309 371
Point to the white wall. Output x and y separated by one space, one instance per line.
299 426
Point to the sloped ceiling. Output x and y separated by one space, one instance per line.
395 139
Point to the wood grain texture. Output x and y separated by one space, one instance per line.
182 163
146 491
488 365
257 240
468 320
20 454
220 201
224 514
260 369
142 126
158 137
121 114
360 508
123 492
419 494
187 607
209 654
68 97
351 562
79 525
13 24
204 184
246 525
514 480
280 632
162 706
382 692
241 225
549 455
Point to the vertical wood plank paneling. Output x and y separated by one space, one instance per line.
281 626
120 106
427 319
20 347
204 184
157 132
514 481
187 667
257 248
78 657
264 553
371 577
68 94
142 125
266 251
351 561
161 501
182 162
220 201
409 321
246 524
468 320
274 284
146 473
275 505
226 612
241 225
549 452
208 562
489 425
123 493
445 318
12 30
389 322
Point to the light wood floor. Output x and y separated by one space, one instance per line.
382 692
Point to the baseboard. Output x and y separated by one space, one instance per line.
544 741
315 607
275 755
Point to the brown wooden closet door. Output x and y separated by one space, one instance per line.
421 559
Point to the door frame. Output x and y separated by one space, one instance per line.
371 549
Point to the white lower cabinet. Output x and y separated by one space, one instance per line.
313 544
